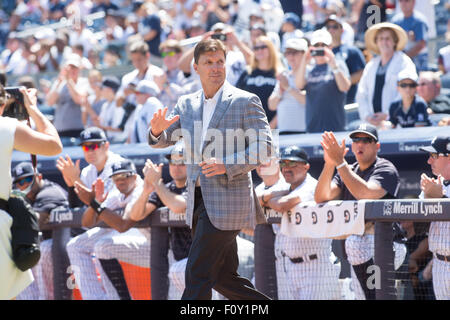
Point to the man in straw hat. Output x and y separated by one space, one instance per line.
378 86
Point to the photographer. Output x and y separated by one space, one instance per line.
324 112
17 135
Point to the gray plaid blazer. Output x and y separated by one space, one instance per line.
229 199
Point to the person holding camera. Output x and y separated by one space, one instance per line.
17 135
324 112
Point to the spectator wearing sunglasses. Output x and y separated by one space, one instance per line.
411 110
260 76
175 83
370 177
44 196
327 74
352 56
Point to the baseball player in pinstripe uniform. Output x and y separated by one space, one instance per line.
370 177
307 265
439 234
220 192
108 245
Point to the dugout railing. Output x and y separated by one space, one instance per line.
382 212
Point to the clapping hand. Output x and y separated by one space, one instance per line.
432 188
69 170
152 174
159 123
333 152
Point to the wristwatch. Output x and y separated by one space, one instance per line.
335 70
97 206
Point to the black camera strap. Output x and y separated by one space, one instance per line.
33 156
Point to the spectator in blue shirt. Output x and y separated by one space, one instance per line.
352 56
415 25
410 110
149 26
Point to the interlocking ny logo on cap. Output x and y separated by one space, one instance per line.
117 166
363 126
19 171
289 150
86 135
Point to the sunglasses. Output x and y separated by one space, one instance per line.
289 164
94 146
168 54
364 140
406 85
333 26
121 176
259 47
24 181
435 155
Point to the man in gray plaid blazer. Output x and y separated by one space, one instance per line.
221 198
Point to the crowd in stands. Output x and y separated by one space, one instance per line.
111 64
73 46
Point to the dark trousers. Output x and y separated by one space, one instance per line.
213 261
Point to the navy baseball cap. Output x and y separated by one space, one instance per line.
294 153
178 149
111 82
92 134
22 170
367 129
291 18
123 166
438 145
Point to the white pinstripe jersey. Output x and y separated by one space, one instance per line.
439 233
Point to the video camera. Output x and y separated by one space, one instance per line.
15 106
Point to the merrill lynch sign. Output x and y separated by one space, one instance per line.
419 208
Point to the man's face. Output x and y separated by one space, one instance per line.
170 58
125 182
95 152
440 165
254 34
293 171
293 57
177 168
140 61
407 6
365 148
335 29
427 89
141 97
73 72
211 68
23 183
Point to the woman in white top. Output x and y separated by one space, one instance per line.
377 88
17 135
